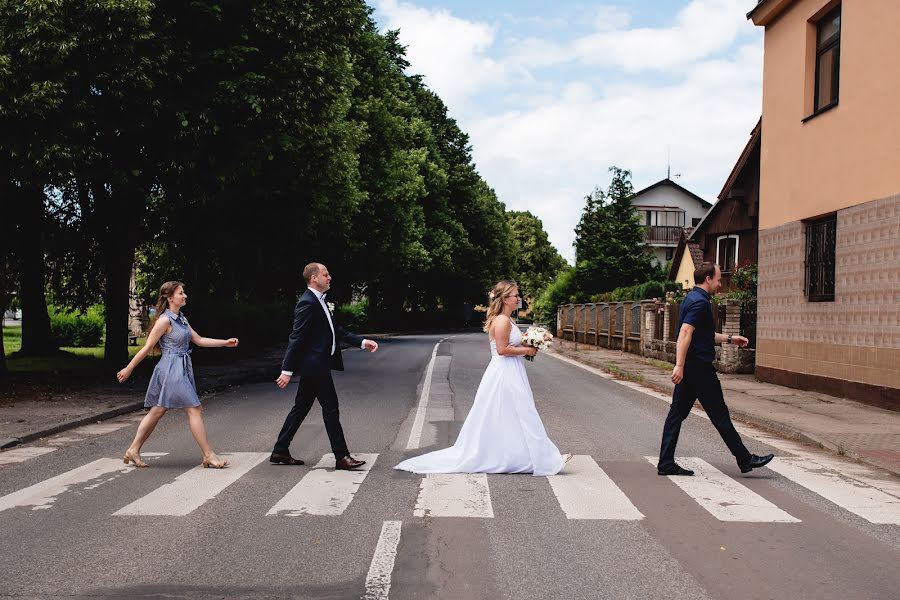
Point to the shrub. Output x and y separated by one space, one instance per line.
354 317
76 329
561 291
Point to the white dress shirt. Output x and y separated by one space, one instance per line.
321 297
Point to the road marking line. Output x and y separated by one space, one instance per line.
192 489
378 581
324 492
585 491
42 495
871 504
723 497
415 434
17 455
454 495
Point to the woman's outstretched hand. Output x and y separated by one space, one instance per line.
123 374
231 342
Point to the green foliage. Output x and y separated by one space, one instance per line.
255 325
539 263
353 316
644 291
744 282
561 291
610 251
77 329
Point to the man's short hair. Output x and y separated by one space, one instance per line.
706 269
310 271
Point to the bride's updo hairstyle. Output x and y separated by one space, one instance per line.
502 289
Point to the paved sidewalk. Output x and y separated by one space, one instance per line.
859 431
35 411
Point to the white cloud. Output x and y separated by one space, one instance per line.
693 85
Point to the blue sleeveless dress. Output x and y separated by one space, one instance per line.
172 384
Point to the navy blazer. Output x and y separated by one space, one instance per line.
309 346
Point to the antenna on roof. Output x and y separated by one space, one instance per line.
668 163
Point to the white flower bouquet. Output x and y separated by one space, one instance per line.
537 337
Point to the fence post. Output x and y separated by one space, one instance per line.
559 322
667 321
626 325
731 326
648 324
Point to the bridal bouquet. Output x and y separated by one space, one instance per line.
537 337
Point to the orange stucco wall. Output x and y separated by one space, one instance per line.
849 154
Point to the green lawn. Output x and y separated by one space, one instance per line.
68 358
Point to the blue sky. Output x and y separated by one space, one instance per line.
553 93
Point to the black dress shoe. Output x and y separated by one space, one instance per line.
673 469
755 462
284 459
348 463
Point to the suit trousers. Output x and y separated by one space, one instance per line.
314 387
700 382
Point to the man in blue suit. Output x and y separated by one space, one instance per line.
314 350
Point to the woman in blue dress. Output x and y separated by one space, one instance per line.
172 384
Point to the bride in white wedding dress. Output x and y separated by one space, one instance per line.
503 432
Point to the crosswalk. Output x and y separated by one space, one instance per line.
582 492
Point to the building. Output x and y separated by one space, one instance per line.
666 209
728 233
829 200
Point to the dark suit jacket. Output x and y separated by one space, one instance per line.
309 347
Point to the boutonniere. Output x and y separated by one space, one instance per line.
330 306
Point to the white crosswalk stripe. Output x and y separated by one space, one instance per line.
723 497
454 495
42 495
324 490
17 455
194 488
851 494
585 491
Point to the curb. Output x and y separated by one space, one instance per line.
769 425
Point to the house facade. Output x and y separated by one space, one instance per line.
728 233
829 199
665 209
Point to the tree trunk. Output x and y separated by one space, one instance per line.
36 336
118 263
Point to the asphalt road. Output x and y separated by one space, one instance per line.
76 523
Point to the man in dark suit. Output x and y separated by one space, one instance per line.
314 349
695 377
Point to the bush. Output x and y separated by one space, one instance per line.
76 329
643 291
354 317
561 291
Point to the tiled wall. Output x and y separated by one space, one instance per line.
854 338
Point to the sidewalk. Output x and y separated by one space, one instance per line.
32 411
862 432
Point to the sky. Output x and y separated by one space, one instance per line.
554 93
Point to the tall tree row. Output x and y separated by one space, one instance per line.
227 144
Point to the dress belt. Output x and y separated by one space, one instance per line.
184 358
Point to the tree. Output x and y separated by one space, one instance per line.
610 250
539 262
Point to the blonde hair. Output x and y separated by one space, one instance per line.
502 290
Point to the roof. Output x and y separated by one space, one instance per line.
693 249
766 10
746 153
670 183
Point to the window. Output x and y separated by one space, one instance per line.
821 237
828 54
727 252
670 252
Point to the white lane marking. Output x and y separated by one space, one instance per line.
454 495
101 428
192 489
723 497
629 384
378 581
871 504
42 495
415 434
17 455
585 491
324 492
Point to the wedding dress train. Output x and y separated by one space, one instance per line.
503 432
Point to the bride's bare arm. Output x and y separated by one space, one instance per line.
501 328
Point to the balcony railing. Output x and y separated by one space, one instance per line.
661 234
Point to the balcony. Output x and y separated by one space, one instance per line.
662 234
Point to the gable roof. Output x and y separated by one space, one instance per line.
765 11
693 250
746 153
670 183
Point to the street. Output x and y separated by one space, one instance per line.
76 522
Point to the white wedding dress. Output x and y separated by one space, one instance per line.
503 432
